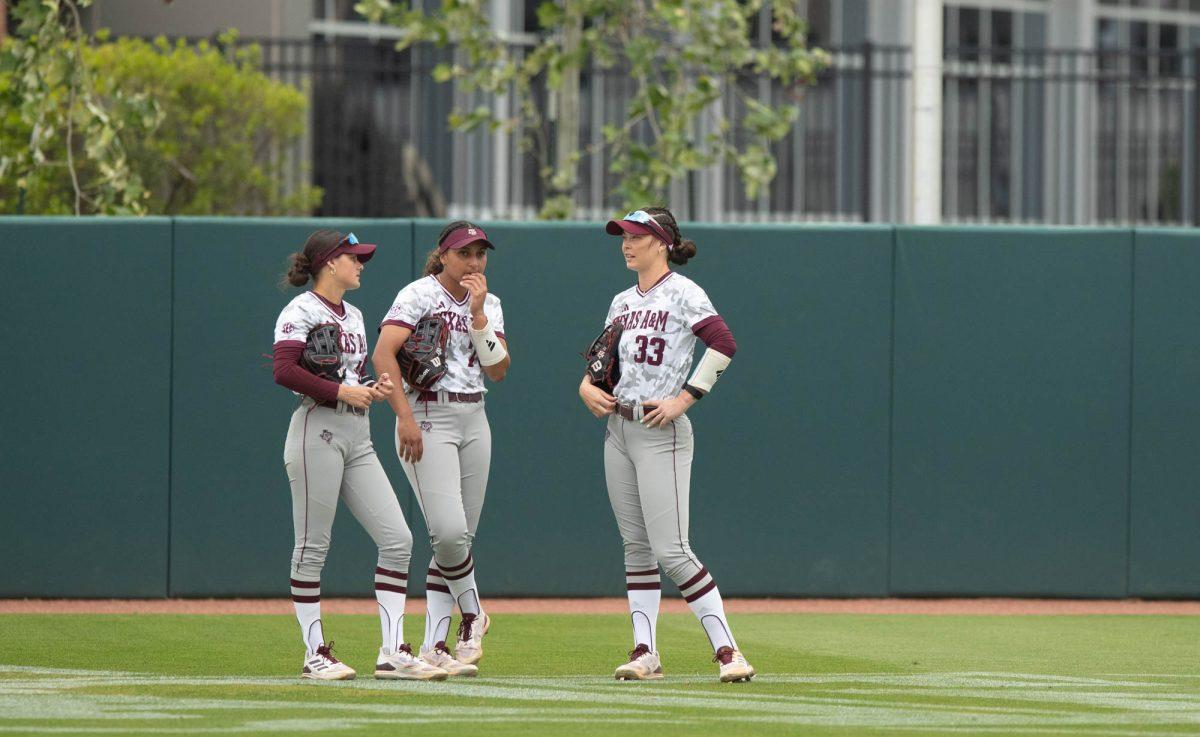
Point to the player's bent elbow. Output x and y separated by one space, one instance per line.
280 374
379 355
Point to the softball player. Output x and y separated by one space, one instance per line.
442 434
328 455
648 442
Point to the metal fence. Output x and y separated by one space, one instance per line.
1029 135
368 101
1070 136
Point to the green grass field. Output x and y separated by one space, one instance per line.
551 675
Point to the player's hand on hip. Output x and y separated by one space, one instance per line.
476 284
597 401
355 396
664 412
411 446
383 388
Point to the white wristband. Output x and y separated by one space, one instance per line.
712 365
487 345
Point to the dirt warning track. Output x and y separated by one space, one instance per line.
617 606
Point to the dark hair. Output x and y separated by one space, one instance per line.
300 264
433 262
681 251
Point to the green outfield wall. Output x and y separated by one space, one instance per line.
912 411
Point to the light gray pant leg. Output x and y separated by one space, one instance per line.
370 498
662 458
314 467
475 461
436 481
623 495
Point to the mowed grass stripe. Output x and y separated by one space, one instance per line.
546 674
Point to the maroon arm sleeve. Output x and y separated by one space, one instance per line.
288 373
716 335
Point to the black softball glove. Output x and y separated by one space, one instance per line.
603 365
422 358
323 354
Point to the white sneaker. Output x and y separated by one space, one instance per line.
322 666
440 657
403 666
469 648
733 665
643 665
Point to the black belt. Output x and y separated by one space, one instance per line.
349 408
633 412
424 396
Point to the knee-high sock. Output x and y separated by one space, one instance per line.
701 594
391 591
644 589
439 606
461 581
306 597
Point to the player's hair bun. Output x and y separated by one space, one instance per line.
681 253
299 269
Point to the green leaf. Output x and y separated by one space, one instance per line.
549 15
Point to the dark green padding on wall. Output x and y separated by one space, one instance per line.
142 455
86 408
1011 416
1165 509
790 478
230 502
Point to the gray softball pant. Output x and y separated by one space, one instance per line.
329 455
649 474
451 478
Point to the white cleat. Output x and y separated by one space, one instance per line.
734 666
643 665
322 666
403 666
440 657
469 649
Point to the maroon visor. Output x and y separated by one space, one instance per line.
464 237
349 244
639 222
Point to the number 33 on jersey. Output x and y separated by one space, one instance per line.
659 336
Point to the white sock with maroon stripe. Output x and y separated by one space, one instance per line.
439 606
306 597
391 591
461 581
644 589
701 594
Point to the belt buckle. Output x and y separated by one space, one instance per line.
343 408
635 411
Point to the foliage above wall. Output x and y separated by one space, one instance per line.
131 127
695 64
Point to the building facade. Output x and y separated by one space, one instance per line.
1051 111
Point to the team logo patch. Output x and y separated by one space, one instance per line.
472 231
288 328
326 436
426 425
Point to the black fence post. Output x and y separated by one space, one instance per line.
866 131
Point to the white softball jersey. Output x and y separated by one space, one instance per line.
427 297
657 342
307 311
